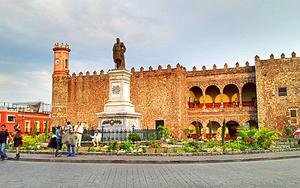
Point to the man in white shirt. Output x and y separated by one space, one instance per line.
79 132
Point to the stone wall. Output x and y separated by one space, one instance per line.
160 95
274 110
60 94
163 94
157 94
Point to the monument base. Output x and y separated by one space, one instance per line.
119 120
119 113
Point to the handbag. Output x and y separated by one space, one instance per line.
66 138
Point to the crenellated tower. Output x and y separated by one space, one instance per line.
61 59
278 81
60 79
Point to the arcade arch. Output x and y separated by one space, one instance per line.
232 129
212 97
195 97
252 124
197 126
230 96
249 94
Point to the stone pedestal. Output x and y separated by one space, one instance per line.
119 112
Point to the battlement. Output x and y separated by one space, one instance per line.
224 70
88 76
272 58
61 46
179 69
168 71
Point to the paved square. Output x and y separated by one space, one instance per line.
275 173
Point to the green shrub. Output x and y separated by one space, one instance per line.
260 139
288 131
133 137
125 146
95 149
236 145
154 144
163 132
265 137
245 134
114 146
188 132
194 147
144 149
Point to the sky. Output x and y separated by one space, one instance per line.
189 32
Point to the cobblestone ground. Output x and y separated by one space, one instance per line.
275 173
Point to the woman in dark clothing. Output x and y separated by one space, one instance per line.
17 141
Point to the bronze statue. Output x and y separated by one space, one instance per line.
118 54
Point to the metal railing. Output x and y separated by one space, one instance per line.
122 135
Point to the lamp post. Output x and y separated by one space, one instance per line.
133 128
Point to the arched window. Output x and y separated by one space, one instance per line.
230 96
66 64
197 126
249 95
232 129
195 98
212 97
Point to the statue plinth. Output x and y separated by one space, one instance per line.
119 112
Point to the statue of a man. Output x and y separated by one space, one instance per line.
118 54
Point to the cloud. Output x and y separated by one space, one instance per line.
156 32
26 86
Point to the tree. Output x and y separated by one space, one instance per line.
34 129
210 130
223 132
46 131
188 132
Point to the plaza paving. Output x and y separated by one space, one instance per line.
96 158
270 173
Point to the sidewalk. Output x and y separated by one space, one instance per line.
156 159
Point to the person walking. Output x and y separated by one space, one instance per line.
70 139
17 141
58 135
3 141
79 132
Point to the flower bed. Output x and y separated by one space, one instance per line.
248 141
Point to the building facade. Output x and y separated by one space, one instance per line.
264 95
29 119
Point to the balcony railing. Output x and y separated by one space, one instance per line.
219 105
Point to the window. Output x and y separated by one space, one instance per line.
11 119
293 113
27 126
0 118
37 124
66 64
282 91
45 126
159 123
